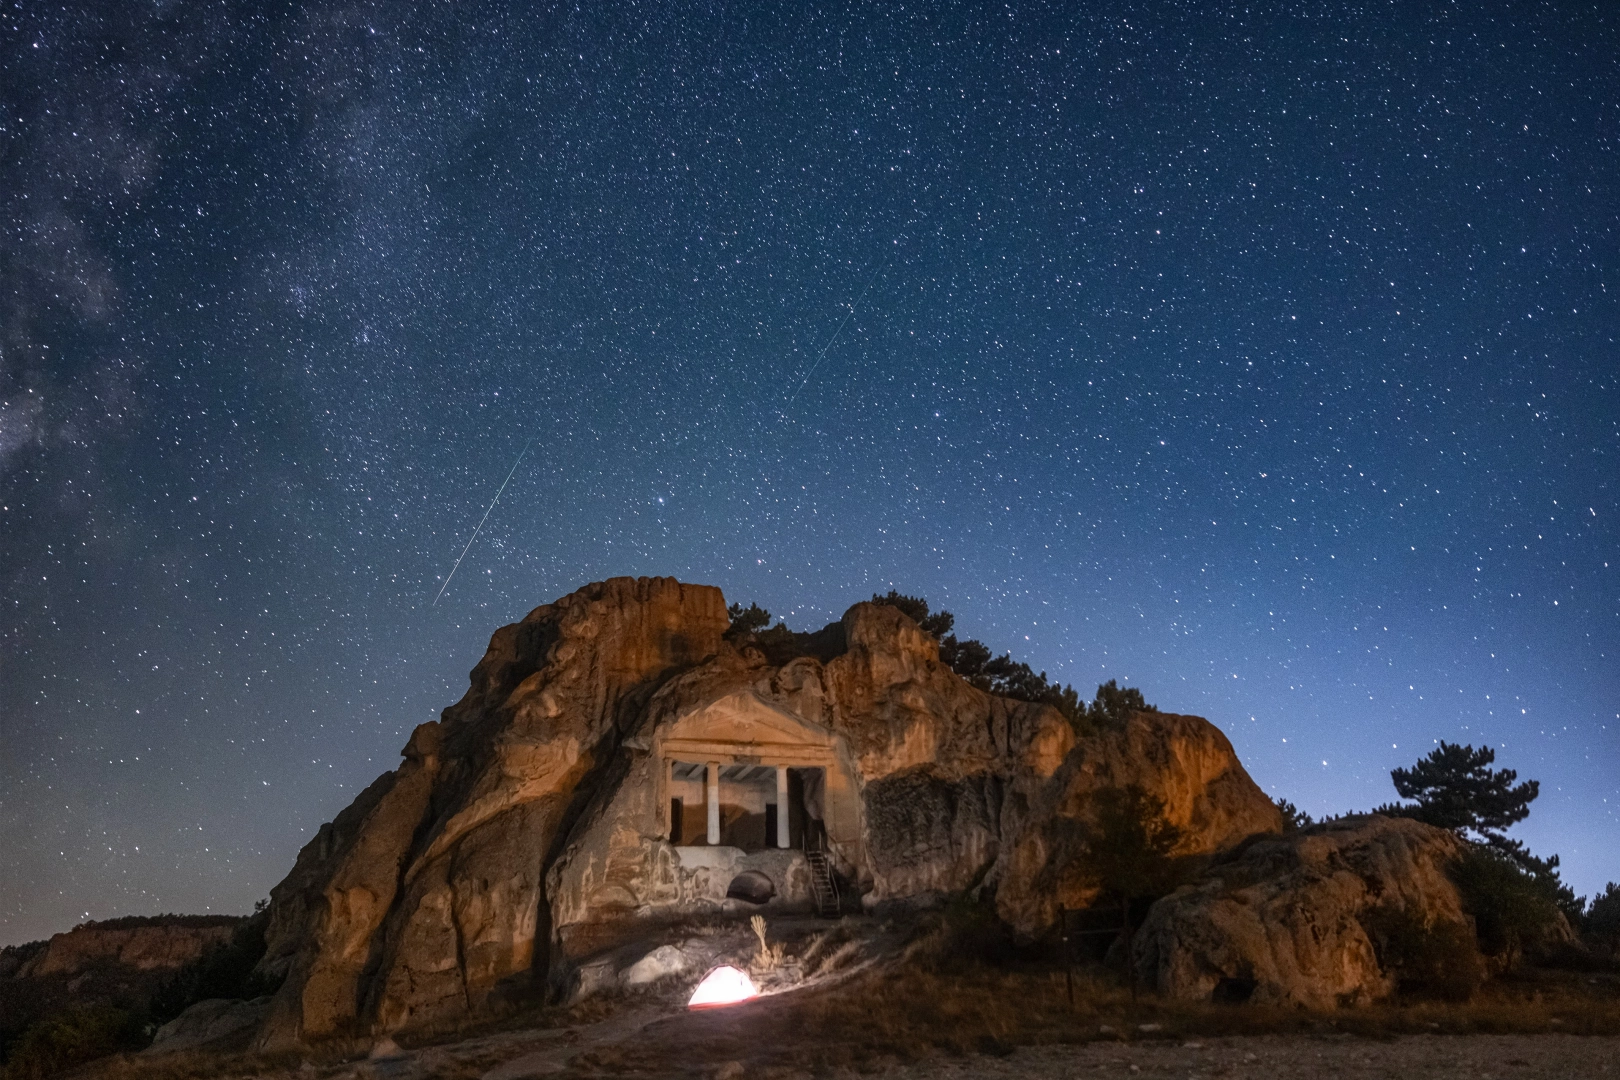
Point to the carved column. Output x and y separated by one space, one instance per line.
712 772
781 806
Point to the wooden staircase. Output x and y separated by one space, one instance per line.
823 889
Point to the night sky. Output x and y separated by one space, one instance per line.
1264 360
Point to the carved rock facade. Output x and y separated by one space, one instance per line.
618 764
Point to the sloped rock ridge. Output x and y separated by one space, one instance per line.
152 944
617 763
1285 920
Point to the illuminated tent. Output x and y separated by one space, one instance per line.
723 986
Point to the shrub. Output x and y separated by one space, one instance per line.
224 970
70 1038
1294 819
1431 961
1602 923
1512 909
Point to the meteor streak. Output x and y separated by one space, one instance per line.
851 314
483 519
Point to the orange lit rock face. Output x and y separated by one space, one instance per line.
1184 761
1288 917
531 827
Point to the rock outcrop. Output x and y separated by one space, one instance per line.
1184 762
533 826
215 1024
425 893
1285 919
157 944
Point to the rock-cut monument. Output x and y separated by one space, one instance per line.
619 763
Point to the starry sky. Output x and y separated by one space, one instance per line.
1264 359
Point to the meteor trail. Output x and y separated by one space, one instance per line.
851 314
483 519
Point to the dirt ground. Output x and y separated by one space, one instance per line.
1263 1057
658 1042
1287 1057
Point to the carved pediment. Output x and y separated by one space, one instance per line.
745 724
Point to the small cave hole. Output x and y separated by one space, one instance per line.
1231 991
752 886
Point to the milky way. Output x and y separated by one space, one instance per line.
1265 360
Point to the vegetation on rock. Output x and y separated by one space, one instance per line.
1429 960
1294 818
225 970
1512 907
1004 676
72 1037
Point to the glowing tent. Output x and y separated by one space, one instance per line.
722 986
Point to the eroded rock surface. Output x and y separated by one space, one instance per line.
216 1023
144 945
529 835
1182 761
1285 919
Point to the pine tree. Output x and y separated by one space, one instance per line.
1455 788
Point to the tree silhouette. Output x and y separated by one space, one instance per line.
1455 788
1127 854
747 620
1006 677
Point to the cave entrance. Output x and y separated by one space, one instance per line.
740 805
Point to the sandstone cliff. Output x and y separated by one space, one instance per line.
156 944
526 830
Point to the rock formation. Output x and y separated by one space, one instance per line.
550 815
157 944
1285 919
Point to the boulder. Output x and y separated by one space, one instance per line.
1284 920
663 962
216 1023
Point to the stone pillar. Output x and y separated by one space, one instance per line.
781 806
712 797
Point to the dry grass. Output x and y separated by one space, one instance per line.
916 1012
876 996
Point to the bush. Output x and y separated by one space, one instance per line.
1006 677
70 1038
1512 909
224 970
1602 923
1429 961
1294 819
